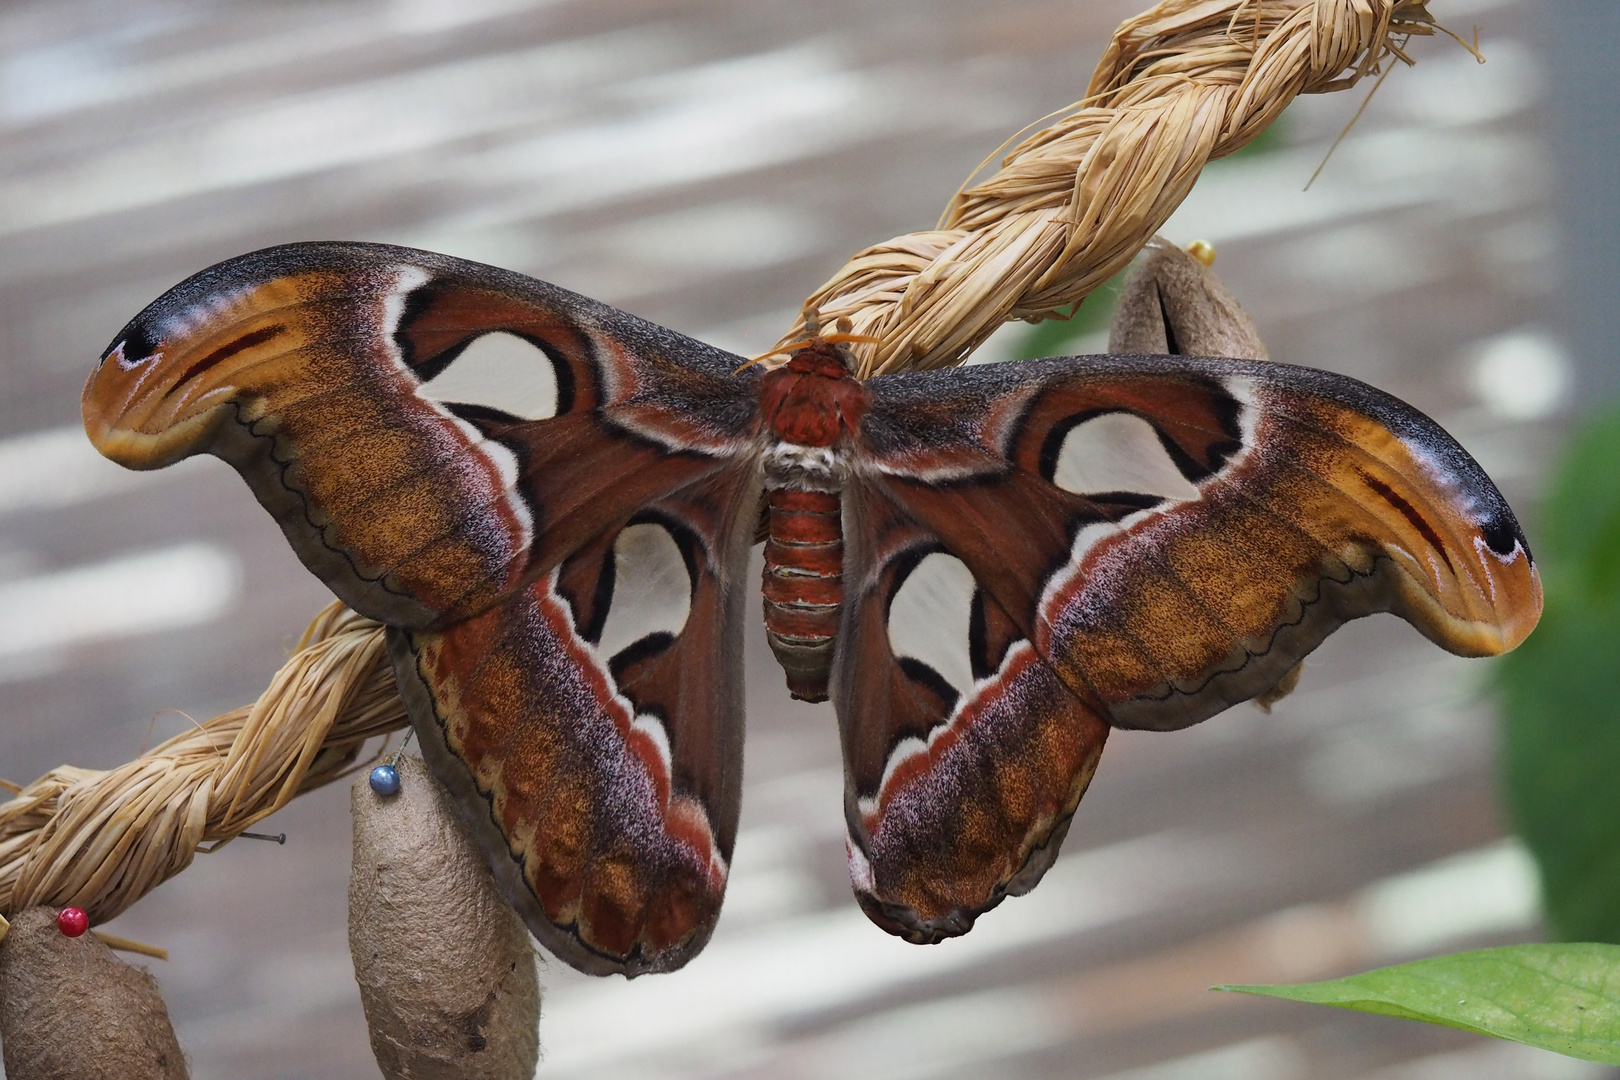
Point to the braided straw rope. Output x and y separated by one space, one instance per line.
102 840
1188 81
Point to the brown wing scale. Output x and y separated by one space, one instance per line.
611 782
964 767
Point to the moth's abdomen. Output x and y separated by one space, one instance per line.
804 587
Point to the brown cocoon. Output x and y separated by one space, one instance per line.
1172 303
446 972
71 1010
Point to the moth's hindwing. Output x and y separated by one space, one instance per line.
965 754
595 722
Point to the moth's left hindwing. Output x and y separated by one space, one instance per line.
549 500
1158 538
595 723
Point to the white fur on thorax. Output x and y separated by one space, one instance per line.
805 468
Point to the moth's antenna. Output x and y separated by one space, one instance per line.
813 336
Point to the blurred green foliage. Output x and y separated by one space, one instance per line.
1057 336
1561 695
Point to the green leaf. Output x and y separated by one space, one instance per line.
1558 997
1561 755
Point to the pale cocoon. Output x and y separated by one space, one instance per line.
1172 303
71 1010
446 971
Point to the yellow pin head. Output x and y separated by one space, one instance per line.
1203 251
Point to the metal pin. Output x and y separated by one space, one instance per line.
403 743
279 838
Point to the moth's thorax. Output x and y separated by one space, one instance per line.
812 400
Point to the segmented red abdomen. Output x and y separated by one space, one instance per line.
804 588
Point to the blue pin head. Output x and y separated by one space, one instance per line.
385 780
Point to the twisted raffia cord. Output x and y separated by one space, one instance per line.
102 840
1188 81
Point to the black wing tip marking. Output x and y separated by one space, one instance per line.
136 340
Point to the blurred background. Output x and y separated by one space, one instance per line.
706 166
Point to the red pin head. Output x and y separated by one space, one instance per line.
72 921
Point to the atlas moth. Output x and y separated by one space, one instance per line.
551 505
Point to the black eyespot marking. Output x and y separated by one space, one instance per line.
1502 534
136 343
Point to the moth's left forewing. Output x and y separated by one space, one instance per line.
429 433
